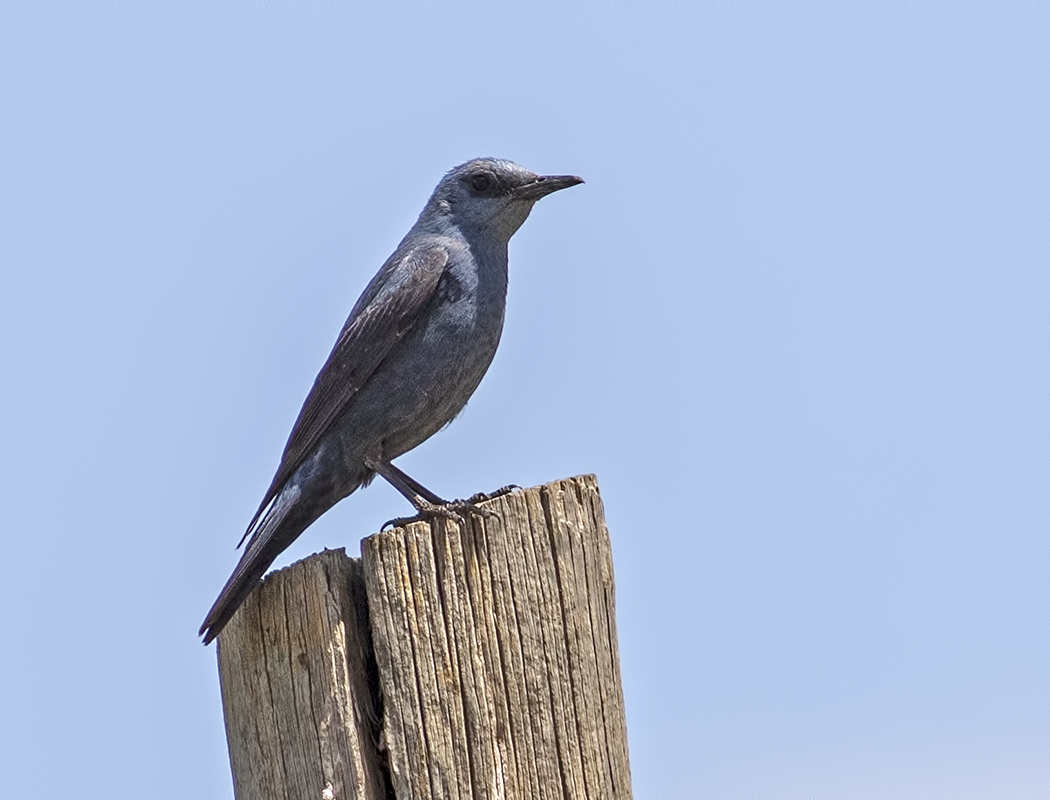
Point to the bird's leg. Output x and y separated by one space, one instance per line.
428 504
415 490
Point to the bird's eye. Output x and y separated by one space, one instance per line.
480 182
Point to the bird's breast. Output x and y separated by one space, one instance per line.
429 376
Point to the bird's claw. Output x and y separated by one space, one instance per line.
481 497
454 510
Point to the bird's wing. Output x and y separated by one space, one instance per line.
399 296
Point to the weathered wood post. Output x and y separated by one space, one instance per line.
485 665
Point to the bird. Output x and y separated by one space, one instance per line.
411 353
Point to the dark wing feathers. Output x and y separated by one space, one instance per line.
405 287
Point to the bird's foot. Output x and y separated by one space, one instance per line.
481 497
455 510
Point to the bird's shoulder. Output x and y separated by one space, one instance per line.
411 270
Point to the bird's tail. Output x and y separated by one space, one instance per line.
280 525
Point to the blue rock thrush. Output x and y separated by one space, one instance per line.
410 355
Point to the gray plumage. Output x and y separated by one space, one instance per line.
410 355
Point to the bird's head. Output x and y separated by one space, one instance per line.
492 196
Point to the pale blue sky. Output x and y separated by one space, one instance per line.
796 321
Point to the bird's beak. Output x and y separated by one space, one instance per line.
545 185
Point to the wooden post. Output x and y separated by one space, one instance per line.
495 648
299 687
